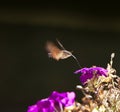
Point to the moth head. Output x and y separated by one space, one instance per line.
65 54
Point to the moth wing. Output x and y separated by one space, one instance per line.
51 47
53 51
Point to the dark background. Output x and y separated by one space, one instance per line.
91 31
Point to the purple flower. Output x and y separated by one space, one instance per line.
88 73
56 101
45 105
32 108
65 98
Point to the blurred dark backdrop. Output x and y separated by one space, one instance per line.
91 31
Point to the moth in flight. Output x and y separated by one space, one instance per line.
58 53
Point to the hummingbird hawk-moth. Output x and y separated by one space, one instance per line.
58 53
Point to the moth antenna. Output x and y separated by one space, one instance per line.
60 44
